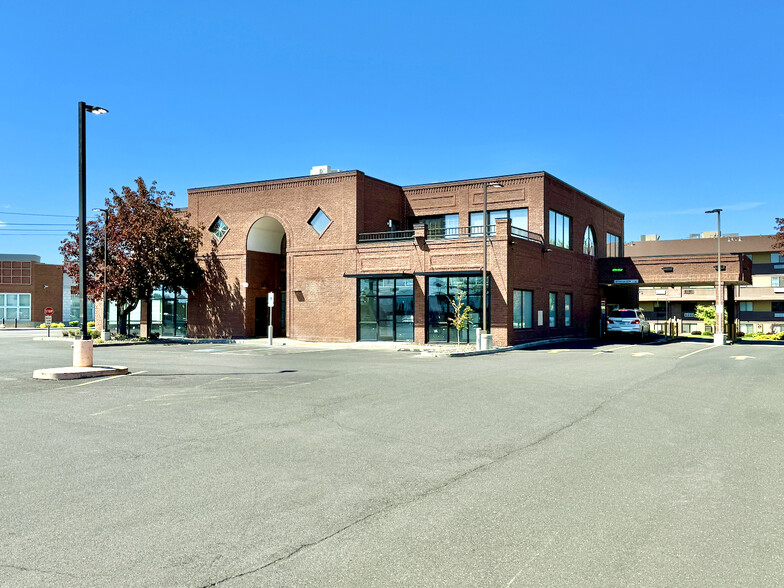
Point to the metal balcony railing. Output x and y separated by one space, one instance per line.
527 235
385 236
450 232
447 233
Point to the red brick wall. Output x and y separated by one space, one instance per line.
42 274
377 203
316 289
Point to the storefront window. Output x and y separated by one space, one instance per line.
169 315
441 289
386 309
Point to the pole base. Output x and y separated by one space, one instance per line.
83 353
720 338
106 335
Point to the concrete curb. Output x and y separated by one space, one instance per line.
76 373
505 349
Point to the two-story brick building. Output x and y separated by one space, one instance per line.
349 257
27 288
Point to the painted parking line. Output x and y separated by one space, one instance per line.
98 380
614 349
698 351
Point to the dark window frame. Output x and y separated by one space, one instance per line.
522 310
615 245
394 296
469 295
553 223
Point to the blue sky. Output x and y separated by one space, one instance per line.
661 110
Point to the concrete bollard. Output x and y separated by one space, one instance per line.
83 353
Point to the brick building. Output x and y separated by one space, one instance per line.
349 257
27 288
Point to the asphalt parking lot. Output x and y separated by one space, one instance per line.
622 464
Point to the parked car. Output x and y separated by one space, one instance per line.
628 320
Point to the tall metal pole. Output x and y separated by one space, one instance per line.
82 222
105 270
484 264
719 292
720 299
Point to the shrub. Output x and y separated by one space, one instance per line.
142 339
42 326
121 337
73 324
154 336
58 325
741 334
696 332
91 324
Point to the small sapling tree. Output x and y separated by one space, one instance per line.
462 313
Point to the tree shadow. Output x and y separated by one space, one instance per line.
221 307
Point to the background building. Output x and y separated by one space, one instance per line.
27 288
759 306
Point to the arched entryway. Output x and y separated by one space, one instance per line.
266 274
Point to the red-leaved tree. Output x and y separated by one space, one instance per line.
150 245
779 244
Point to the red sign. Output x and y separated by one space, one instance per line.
49 311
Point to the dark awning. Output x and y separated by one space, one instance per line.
397 275
452 273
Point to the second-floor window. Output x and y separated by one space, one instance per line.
560 230
442 226
518 217
589 242
613 245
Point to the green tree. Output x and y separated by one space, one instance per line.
462 313
150 246
707 314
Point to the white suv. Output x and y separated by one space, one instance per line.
624 320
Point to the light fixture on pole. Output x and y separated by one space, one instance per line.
105 334
482 343
81 353
719 337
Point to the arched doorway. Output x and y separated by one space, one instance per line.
266 274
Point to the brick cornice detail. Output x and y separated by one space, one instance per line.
275 185
451 187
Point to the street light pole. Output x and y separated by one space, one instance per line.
83 353
485 230
105 335
719 336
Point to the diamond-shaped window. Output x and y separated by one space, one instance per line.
319 221
218 228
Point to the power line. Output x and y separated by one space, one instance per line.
40 214
4 224
34 230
